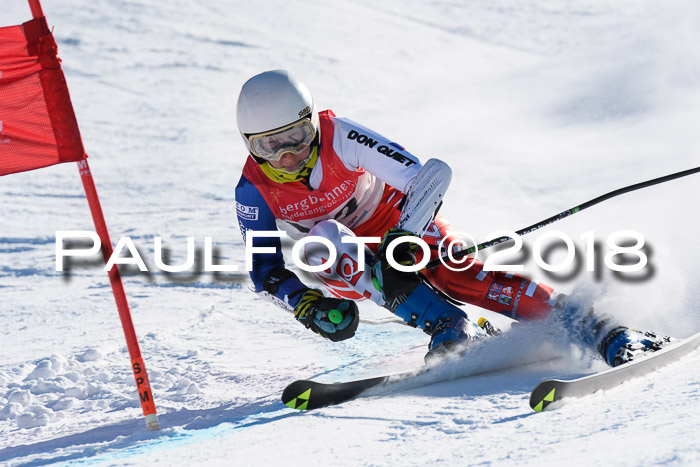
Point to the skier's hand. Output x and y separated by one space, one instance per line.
395 285
332 318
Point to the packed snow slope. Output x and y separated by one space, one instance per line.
538 106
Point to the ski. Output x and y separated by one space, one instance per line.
298 395
554 390
309 395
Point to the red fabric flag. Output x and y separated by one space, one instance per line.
37 123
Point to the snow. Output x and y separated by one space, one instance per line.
537 106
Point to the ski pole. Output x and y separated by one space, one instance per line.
562 215
380 321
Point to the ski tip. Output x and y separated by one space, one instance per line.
542 397
296 395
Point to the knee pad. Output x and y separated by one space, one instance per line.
343 279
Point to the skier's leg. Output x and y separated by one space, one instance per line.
513 295
344 279
521 298
416 303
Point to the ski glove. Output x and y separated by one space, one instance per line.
395 285
332 318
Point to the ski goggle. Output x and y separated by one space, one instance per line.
293 138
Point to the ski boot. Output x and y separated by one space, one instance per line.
446 335
449 331
447 325
616 344
622 345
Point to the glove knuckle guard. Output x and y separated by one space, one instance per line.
312 310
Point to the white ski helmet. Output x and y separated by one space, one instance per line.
271 103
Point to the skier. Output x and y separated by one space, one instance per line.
310 173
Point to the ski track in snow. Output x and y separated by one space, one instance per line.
537 107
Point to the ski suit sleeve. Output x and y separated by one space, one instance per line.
254 214
360 147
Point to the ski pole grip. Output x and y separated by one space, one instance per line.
335 316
